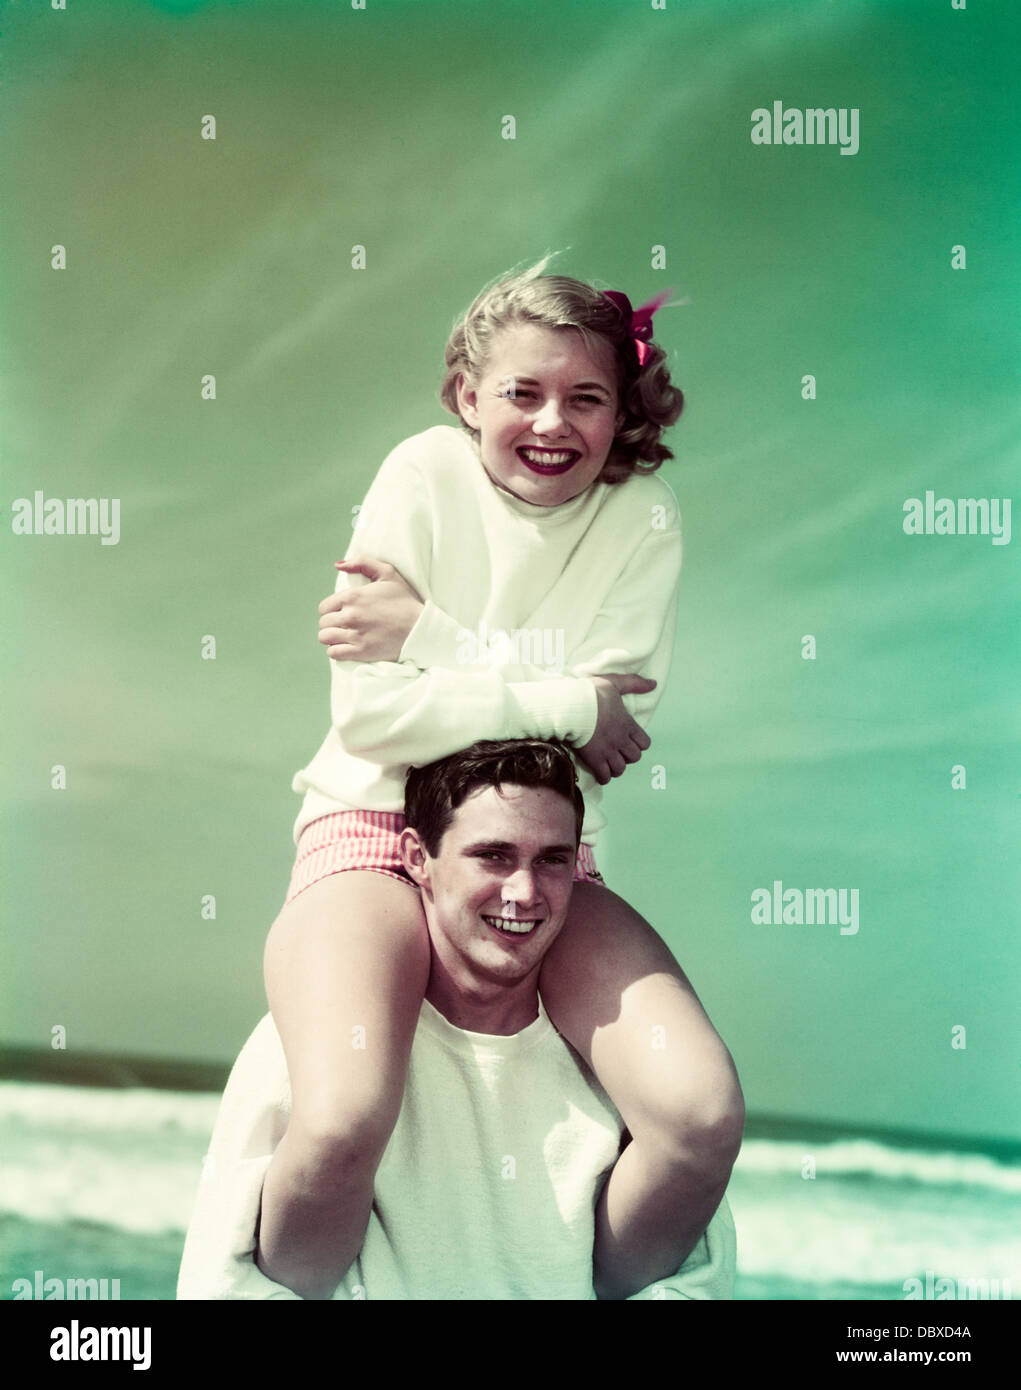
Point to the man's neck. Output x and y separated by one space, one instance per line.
481 1007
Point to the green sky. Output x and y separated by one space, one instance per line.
382 128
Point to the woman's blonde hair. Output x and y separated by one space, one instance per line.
648 400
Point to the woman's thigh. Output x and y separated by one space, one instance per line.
346 964
616 992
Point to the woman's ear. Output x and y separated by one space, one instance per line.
467 402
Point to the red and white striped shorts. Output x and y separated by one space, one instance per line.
369 840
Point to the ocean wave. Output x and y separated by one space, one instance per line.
869 1158
83 1108
126 1159
845 1236
869 1214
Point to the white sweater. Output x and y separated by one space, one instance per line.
522 604
487 1189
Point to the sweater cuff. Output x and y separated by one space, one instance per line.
565 707
436 640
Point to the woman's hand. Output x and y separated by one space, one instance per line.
618 739
371 622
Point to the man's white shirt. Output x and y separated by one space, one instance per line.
487 1188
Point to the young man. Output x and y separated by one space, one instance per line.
490 1185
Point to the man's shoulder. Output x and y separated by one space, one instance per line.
260 1071
264 1039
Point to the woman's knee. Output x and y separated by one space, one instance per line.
332 1142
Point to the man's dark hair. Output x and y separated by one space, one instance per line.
433 793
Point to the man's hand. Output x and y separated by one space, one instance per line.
618 739
372 622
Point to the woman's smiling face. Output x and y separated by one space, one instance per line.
545 407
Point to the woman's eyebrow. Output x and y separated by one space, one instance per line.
578 385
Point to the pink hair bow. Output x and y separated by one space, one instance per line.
639 321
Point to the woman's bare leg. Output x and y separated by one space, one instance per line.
614 990
347 963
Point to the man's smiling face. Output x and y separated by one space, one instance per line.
496 893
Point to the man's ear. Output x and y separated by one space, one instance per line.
468 402
414 856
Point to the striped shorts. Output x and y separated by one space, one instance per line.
369 840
